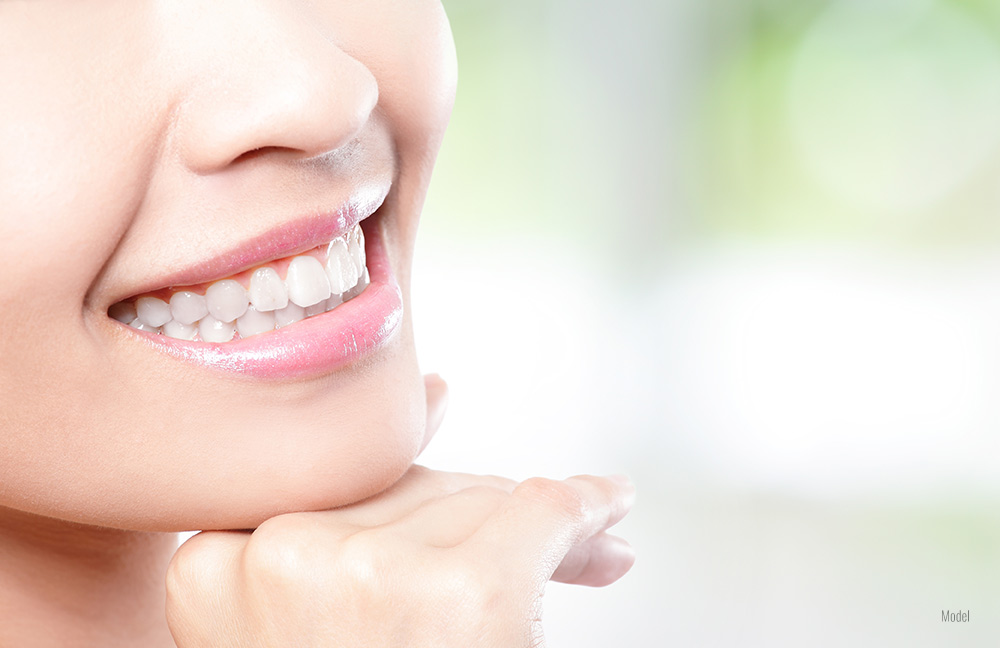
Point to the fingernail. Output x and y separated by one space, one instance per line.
622 480
628 496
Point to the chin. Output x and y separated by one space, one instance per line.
181 461
328 444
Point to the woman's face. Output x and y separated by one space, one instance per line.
150 148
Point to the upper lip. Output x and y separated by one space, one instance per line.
288 239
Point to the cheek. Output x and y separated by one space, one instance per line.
77 148
413 60
73 166
418 73
73 162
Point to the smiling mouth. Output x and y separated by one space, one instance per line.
301 300
265 298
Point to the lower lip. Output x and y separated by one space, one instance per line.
315 346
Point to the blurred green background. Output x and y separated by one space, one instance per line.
748 253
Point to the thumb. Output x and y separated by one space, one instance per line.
437 403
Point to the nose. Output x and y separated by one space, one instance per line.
260 76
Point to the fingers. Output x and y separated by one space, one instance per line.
448 521
437 403
417 486
200 576
543 520
599 561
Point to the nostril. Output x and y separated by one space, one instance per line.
257 152
249 155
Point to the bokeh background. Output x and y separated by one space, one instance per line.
747 251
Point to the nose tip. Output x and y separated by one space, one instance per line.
307 100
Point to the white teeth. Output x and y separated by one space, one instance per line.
267 291
340 267
188 307
289 315
227 300
316 309
212 330
124 312
360 288
356 246
255 322
307 281
334 301
310 288
142 326
152 311
179 330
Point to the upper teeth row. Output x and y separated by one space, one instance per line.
310 287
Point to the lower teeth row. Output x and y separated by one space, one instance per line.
227 310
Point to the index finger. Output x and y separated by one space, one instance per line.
544 519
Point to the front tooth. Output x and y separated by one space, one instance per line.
124 312
188 307
267 291
179 330
213 330
289 315
307 281
254 322
152 311
340 267
227 300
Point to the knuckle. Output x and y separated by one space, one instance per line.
559 495
363 558
469 592
180 579
281 551
197 567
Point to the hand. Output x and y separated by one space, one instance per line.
439 559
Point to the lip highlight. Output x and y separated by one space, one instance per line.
314 346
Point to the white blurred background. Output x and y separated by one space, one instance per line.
748 252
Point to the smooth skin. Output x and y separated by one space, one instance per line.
439 559
139 137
